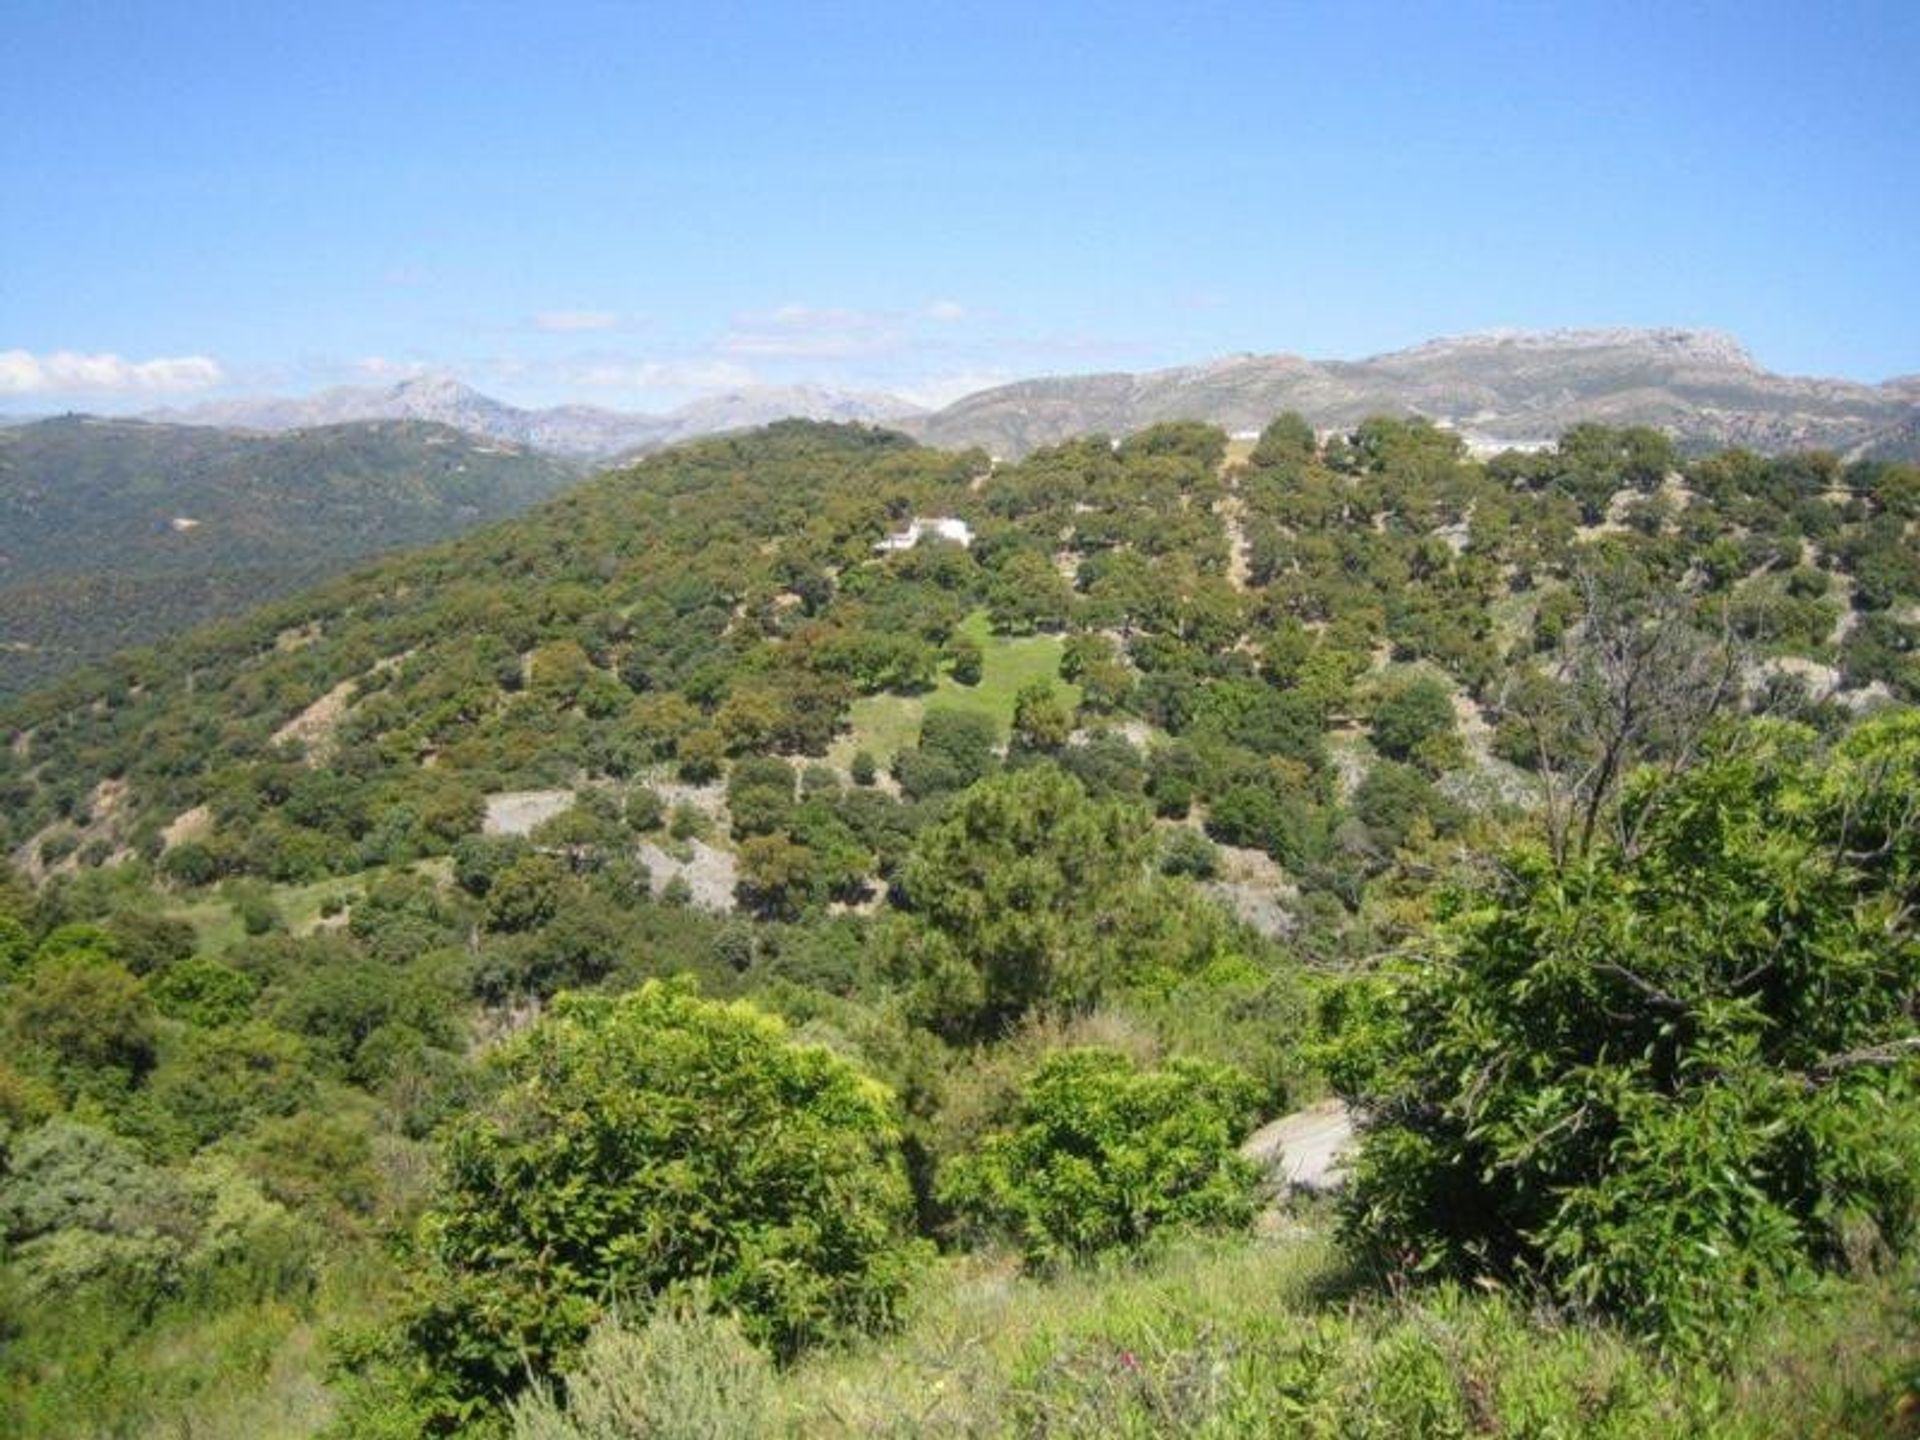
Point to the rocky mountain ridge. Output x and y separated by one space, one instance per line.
576 431
1499 388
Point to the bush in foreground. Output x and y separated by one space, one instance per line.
1100 1154
1671 1081
684 1375
638 1147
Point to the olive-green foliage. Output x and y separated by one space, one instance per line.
1041 720
16 944
78 1208
1414 720
1029 894
1392 801
525 894
215 1082
639 1145
967 661
685 1374
956 748
84 1019
1101 1155
203 992
1671 1081
1188 852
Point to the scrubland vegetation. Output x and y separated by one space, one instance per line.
1561 813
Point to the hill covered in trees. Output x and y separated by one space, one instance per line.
672 954
118 532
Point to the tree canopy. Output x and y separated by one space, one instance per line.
1667 1080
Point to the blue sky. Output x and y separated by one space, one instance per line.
629 204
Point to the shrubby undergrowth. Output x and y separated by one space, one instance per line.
1673 1080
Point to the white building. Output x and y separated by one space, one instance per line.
939 527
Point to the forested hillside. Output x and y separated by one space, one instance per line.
682 958
117 532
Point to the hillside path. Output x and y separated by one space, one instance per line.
1232 511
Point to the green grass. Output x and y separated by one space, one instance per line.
216 921
887 724
1270 1337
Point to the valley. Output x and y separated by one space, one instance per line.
1213 797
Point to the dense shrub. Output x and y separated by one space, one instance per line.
1029 895
1669 1081
1414 720
78 1208
638 1146
955 749
1101 1154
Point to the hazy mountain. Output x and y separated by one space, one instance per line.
584 431
1498 388
762 404
117 532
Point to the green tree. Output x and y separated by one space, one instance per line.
88 1018
525 894
1665 1082
1042 721
1030 894
1414 720
955 749
1100 1155
1027 594
1287 444
965 659
777 877
639 1147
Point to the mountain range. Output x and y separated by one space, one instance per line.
116 532
1499 388
579 431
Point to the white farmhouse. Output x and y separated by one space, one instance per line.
939 527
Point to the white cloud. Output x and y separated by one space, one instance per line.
573 322
67 372
665 375
379 367
946 310
805 332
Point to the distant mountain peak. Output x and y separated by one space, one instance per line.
1497 386
1711 346
434 385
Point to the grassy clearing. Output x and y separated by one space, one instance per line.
981 1331
216 920
887 724
1270 1337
